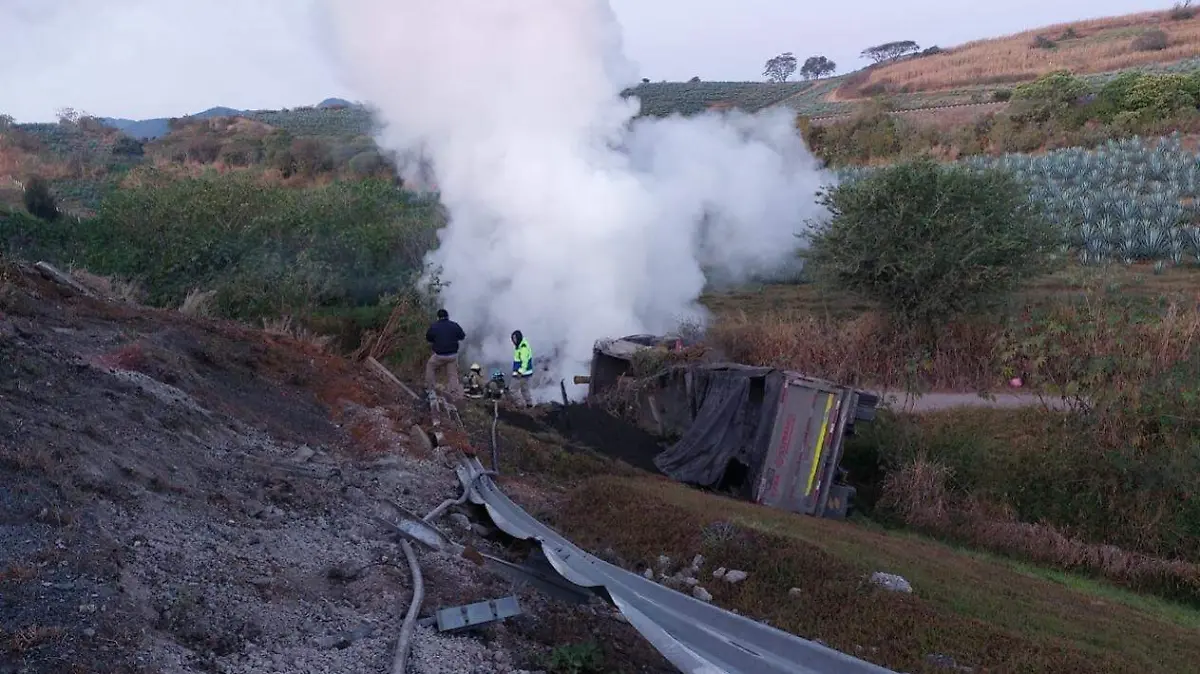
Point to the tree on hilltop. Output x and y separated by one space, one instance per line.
816 67
780 68
890 50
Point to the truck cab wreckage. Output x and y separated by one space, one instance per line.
766 435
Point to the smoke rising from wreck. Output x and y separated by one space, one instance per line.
569 220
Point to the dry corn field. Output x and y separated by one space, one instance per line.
1095 46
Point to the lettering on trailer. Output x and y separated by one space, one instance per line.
785 440
781 456
772 477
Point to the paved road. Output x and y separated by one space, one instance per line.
933 402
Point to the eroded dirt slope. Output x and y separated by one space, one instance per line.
183 496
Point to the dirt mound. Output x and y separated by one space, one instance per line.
594 429
183 496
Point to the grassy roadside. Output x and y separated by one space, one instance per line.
985 613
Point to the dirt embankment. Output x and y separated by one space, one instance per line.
182 496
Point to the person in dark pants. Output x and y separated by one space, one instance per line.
444 336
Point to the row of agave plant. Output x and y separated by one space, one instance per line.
1128 200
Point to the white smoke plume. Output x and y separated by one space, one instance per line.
569 220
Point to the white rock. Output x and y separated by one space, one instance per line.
691 582
733 576
892 582
795 592
697 562
648 573
303 454
701 593
664 561
719 573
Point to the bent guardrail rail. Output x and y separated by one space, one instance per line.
693 635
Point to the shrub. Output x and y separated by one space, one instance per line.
928 241
39 201
1160 96
1182 11
1043 42
367 163
1002 95
262 250
1151 40
203 149
1047 97
127 146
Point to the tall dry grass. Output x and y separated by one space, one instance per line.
1058 347
917 494
866 350
120 290
1102 45
289 327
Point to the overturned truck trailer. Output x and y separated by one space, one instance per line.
768 435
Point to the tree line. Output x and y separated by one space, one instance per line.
780 68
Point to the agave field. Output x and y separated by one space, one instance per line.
352 121
659 99
1131 200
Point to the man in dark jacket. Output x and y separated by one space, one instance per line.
444 337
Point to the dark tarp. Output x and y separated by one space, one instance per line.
733 411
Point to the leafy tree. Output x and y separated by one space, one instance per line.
127 146
930 242
816 67
780 68
38 199
890 50
68 116
694 79
367 163
1047 97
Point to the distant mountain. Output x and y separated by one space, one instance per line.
148 129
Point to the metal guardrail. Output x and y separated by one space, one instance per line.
693 635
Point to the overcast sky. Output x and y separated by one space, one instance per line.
151 58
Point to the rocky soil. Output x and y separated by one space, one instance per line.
183 496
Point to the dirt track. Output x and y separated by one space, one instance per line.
935 402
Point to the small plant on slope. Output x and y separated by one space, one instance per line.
583 658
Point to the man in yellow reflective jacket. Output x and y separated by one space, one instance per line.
522 369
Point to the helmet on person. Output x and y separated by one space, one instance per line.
475 367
